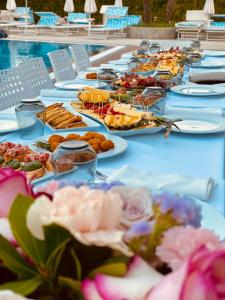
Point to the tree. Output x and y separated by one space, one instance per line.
147 11
170 9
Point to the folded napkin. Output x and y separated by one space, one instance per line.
58 93
207 76
192 111
196 187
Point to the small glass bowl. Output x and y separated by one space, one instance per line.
74 161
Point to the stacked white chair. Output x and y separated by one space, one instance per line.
80 57
62 65
35 75
12 88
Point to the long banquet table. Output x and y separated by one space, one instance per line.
186 154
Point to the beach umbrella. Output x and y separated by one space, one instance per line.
90 6
118 3
11 5
69 6
209 7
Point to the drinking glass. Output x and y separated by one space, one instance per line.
106 76
30 115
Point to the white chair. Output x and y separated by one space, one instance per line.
35 74
12 87
62 65
193 27
80 57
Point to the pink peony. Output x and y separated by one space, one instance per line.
201 277
92 216
12 183
179 242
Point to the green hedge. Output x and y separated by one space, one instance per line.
135 7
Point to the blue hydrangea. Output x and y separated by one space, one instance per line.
184 209
104 186
138 229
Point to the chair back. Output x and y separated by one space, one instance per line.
35 75
12 87
62 65
116 11
47 18
79 18
196 15
116 23
132 20
80 57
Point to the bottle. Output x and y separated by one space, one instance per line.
30 114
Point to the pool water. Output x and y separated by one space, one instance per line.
13 52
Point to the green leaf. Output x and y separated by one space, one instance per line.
77 263
23 287
54 236
54 259
13 261
71 283
33 247
112 269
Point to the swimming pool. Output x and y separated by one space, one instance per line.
13 52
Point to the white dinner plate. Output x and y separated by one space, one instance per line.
209 64
122 61
72 85
197 124
199 90
120 144
214 53
9 124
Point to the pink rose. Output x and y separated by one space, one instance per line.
202 276
92 216
12 183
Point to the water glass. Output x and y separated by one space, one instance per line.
74 161
155 99
154 48
145 45
30 114
106 76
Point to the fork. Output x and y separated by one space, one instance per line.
98 175
101 176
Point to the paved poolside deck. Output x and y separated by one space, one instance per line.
209 45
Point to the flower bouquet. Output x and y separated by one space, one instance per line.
104 242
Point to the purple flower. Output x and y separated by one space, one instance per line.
138 229
183 208
104 186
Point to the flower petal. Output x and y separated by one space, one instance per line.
89 290
139 268
101 238
39 215
5 230
9 295
10 187
115 288
170 287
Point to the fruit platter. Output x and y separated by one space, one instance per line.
135 81
119 118
18 157
105 145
